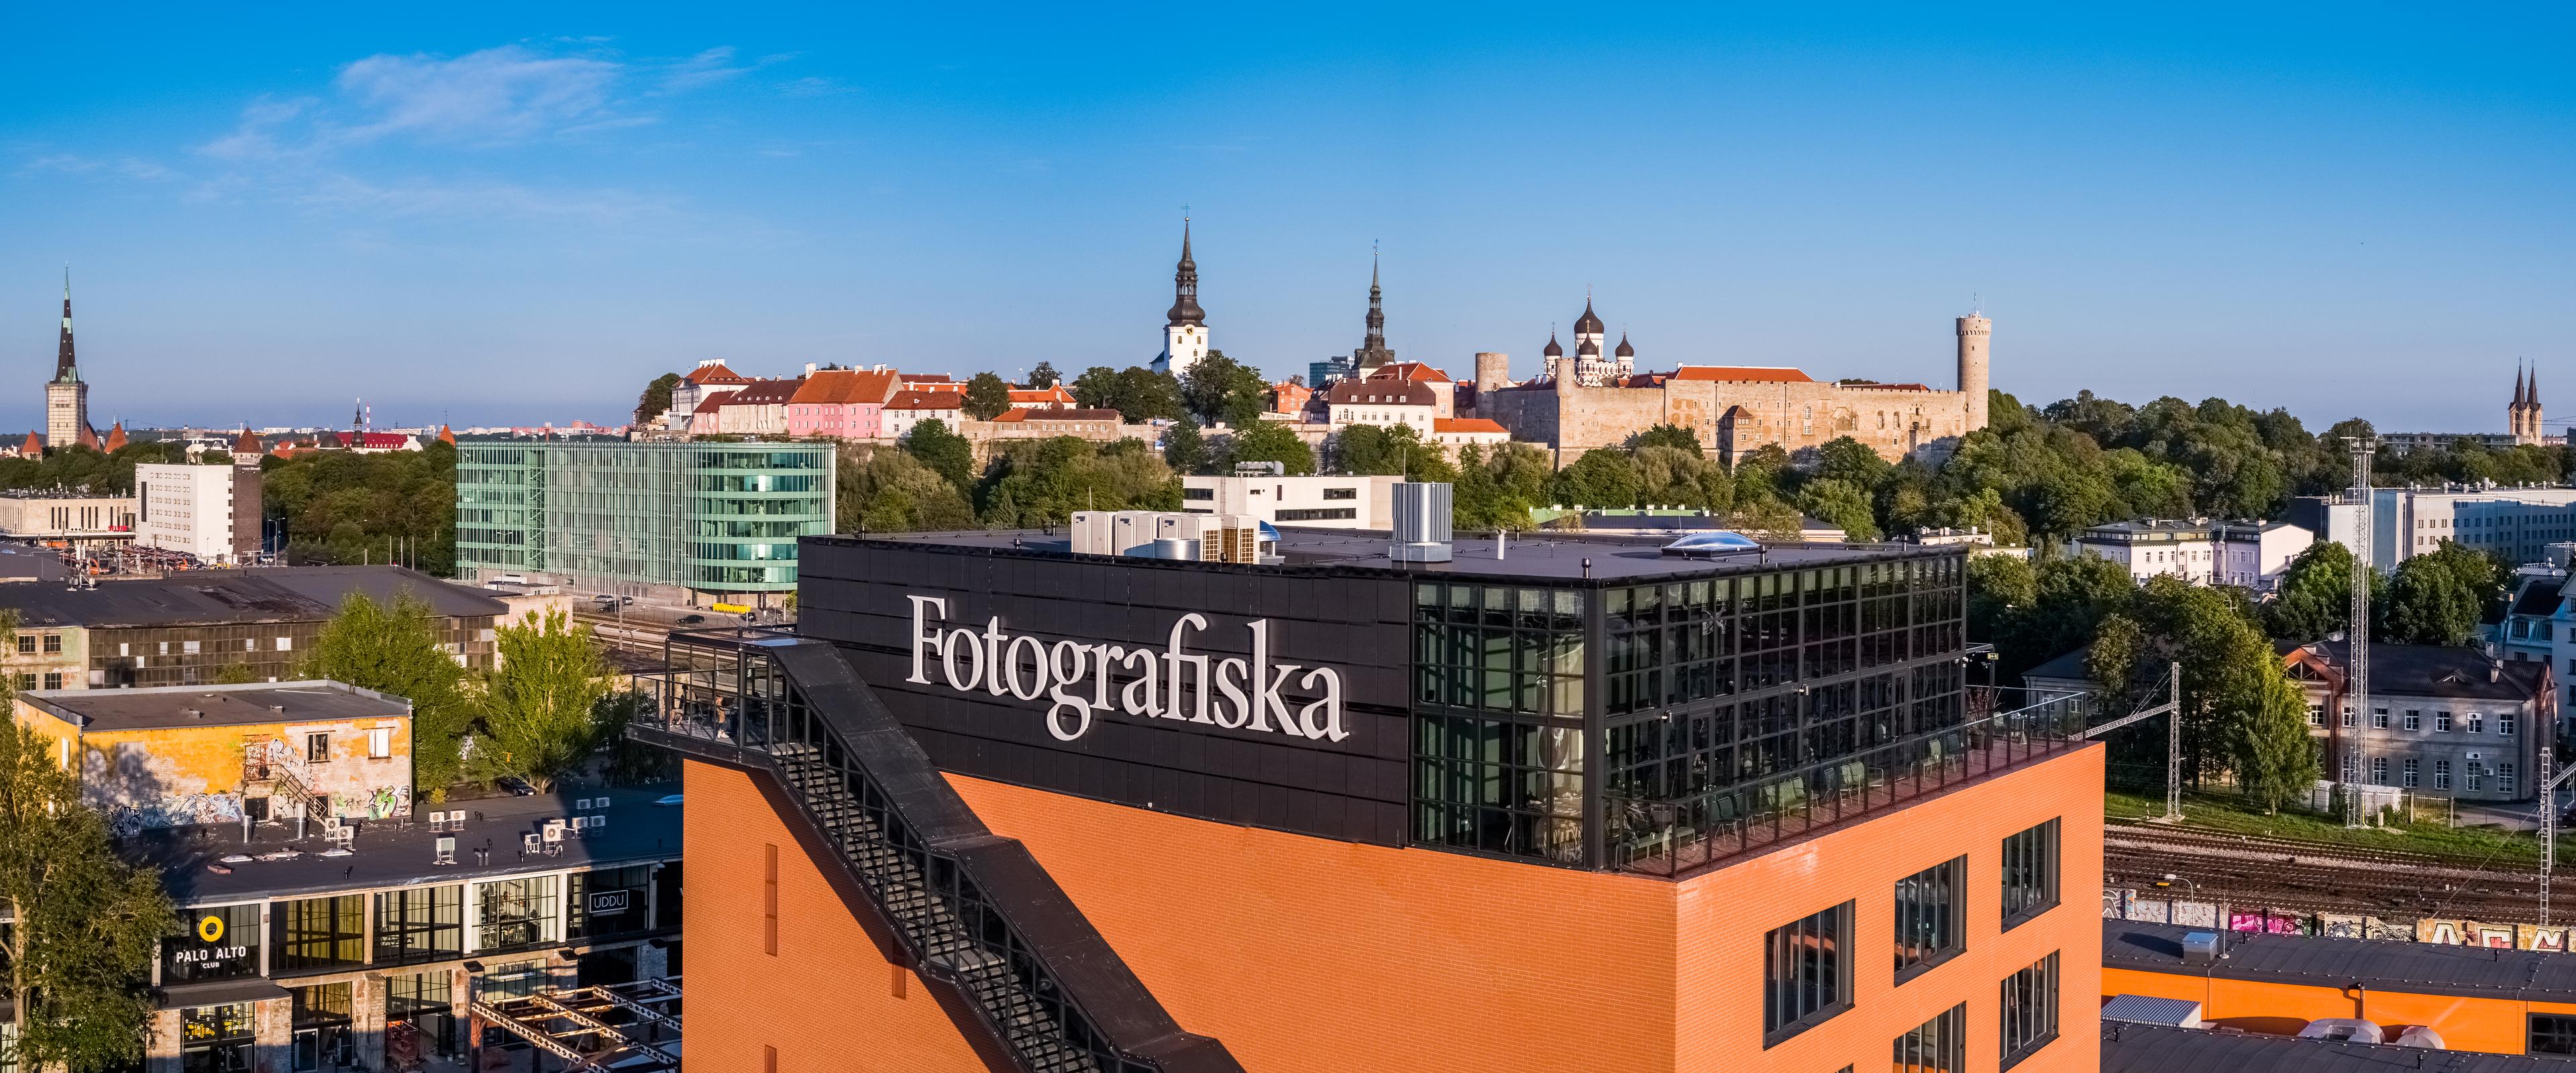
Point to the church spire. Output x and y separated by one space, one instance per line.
1376 340
65 369
1185 285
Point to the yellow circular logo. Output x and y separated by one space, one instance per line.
211 929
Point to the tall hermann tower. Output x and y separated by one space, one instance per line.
66 397
1974 332
1185 334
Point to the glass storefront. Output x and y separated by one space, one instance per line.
216 1039
423 1004
221 943
515 914
608 903
420 924
718 517
322 1020
318 934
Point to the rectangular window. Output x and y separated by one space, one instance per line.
317 748
2505 723
515 914
1341 493
2477 723
2316 715
2553 1033
1936 1046
608 902
1318 514
1804 976
2477 774
2414 719
2029 1010
1927 917
53 644
2030 873
27 645
2379 719
769 900
2504 779
188 648
2408 775
2379 771
420 924
1198 493
53 679
380 743
315 934
2441 774
2348 717
2442 722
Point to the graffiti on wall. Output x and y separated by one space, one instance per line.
2491 936
374 804
124 821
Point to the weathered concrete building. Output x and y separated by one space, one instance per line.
1735 409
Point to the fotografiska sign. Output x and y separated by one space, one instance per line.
1075 676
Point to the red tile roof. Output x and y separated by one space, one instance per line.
1057 413
1381 392
1743 374
924 400
1466 424
830 386
1051 396
715 373
1873 386
248 444
1410 370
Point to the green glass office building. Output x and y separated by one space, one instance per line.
669 520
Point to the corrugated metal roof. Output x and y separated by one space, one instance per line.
2134 1048
2414 968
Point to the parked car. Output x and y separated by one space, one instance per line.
692 620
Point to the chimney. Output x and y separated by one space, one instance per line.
812 367
1421 523
2495 669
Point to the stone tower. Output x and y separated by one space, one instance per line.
1493 370
2522 415
1373 353
1973 332
66 397
1185 334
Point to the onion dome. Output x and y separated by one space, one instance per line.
1587 349
1553 350
1624 351
1589 323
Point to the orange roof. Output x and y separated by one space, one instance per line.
1051 396
247 443
1410 370
714 372
1056 413
924 400
446 436
1739 374
1886 387
1466 424
116 438
846 386
34 446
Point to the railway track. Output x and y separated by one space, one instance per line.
2252 872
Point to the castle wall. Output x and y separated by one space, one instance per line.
1795 415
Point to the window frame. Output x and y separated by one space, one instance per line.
2564 1032
1913 959
2022 901
2027 1018
1832 928
1939 1045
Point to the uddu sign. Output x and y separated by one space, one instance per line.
1075 676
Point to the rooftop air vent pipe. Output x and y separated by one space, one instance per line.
1421 523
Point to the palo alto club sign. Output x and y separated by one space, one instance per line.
1075 676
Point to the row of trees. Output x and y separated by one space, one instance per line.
342 507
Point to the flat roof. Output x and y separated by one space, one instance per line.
2315 961
2137 1048
231 597
1548 558
402 853
311 701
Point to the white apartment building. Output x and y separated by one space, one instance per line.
2516 524
2248 554
1317 502
33 515
210 512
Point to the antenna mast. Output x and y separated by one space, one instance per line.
2356 689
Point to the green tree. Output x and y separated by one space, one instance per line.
943 450
1391 450
1483 499
1844 505
2275 758
986 397
341 507
541 702
1042 482
2227 664
2069 599
2430 602
1044 376
1999 587
1269 441
1676 477
2315 594
885 491
395 648
1218 389
85 924
1852 462
656 397
1676 436
1185 449
236 674
1137 393
1603 478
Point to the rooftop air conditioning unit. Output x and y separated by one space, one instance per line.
1422 518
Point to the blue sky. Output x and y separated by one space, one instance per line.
521 213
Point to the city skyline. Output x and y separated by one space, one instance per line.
483 224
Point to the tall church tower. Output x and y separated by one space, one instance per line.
1974 332
1373 353
66 397
2522 415
1185 335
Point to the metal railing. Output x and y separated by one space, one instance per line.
726 696
1672 836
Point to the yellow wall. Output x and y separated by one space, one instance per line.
169 776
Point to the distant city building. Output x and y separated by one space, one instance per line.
210 512
73 517
1457 432
909 408
186 629
842 404
1383 401
1587 400
2247 554
1320 502
1049 422
674 521
1057 395
2516 525
1185 333
710 380
2522 420
66 396
757 409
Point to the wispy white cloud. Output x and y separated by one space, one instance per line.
813 87
126 167
482 199
711 67
498 94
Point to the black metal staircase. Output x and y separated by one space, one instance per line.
1019 969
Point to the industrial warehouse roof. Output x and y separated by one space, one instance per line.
225 597
103 710
1544 559
2133 1048
391 853
2415 968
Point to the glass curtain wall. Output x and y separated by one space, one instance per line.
316 934
420 924
1499 719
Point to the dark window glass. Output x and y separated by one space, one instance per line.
212 944
420 924
215 1039
666 897
1806 973
2029 1010
1198 493
422 1003
321 1020
1318 514
317 933
2030 873
607 903
1341 493
1935 1046
2553 1033
1927 916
